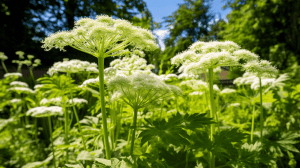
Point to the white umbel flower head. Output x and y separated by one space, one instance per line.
13 74
73 66
95 36
15 101
131 64
58 101
195 84
227 91
246 79
196 93
22 90
168 77
202 56
261 69
3 56
264 82
45 111
19 83
140 89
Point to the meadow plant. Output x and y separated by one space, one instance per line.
138 91
31 65
261 69
202 57
101 38
47 112
11 75
73 66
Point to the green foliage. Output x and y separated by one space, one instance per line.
173 131
267 28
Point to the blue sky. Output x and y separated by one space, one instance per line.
162 8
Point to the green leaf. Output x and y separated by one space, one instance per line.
115 162
249 155
275 141
74 166
34 165
103 161
194 121
170 132
85 155
177 159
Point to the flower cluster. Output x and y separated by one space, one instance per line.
45 111
19 83
73 66
227 91
261 68
140 89
201 56
132 63
22 90
17 74
98 37
3 56
58 101
168 77
198 85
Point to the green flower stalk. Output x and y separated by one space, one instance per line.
139 90
102 38
202 57
261 70
47 112
3 57
28 62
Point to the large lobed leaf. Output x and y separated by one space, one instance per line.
172 131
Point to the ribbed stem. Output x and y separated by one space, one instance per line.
261 111
51 139
212 113
102 96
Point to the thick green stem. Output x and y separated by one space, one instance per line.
4 67
51 139
212 113
102 96
261 111
252 127
133 132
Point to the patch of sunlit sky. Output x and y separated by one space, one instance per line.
164 8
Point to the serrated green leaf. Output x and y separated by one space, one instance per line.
33 165
170 132
177 159
74 166
85 155
103 161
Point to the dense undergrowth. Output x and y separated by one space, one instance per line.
127 116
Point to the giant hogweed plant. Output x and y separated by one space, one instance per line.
101 38
204 57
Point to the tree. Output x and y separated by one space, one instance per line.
188 24
269 28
